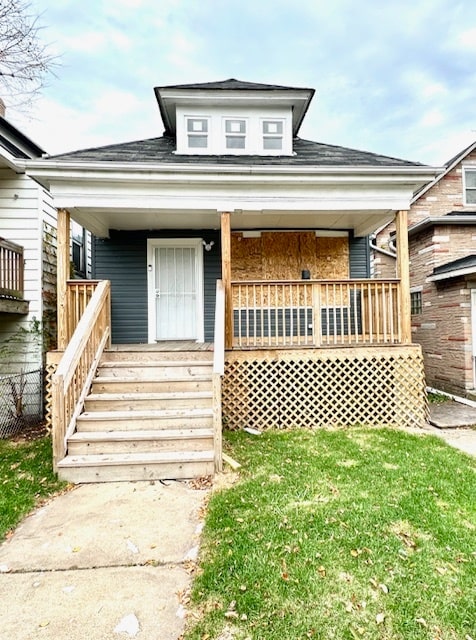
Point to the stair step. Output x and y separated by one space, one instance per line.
152 401
136 466
135 355
144 420
102 384
97 442
155 369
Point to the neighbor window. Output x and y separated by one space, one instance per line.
235 134
470 186
197 133
272 134
78 248
416 303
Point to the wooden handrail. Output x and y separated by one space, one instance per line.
78 295
11 270
218 371
316 313
77 367
219 335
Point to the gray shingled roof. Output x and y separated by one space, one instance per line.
468 262
161 151
234 85
16 142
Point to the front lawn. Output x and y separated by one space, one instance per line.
349 534
26 477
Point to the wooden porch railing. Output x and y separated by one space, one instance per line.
11 270
78 295
78 365
218 371
316 313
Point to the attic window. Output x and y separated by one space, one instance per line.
197 133
235 134
470 186
272 134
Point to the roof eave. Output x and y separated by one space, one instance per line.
440 220
175 93
456 273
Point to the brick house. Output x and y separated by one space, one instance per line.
442 248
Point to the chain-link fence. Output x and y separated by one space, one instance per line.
21 401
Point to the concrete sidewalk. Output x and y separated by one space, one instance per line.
455 423
102 561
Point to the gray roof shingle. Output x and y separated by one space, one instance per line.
234 85
468 262
161 151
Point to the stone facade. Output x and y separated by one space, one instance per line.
444 326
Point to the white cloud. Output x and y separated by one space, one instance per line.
467 39
93 42
432 118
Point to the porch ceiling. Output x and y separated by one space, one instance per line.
101 221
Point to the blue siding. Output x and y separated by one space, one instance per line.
122 259
359 259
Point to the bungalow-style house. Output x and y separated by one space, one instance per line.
231 286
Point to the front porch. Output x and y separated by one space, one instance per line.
308 353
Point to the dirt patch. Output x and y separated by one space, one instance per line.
31 432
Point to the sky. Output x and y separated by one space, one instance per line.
396 77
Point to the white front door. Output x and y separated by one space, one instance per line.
175 289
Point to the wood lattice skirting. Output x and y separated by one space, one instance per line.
325 387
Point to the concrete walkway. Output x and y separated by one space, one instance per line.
453 421
102 561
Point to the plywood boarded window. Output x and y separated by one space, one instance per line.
284 255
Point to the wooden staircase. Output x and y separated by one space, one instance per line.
148 416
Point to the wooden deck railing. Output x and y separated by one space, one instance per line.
78 295
218 371
11 270
78 365
316 313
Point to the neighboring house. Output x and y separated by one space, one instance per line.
27 254
442 248
231 238
442 243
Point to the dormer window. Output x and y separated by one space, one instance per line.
197 133
235 134
223 130
272 134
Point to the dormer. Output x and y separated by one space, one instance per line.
233 117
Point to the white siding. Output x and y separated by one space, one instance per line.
24 206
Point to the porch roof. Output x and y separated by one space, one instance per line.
145 185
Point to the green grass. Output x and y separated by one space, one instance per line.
26 477
361 533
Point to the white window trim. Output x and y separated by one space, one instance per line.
264 135
471 168
207 133
235 151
